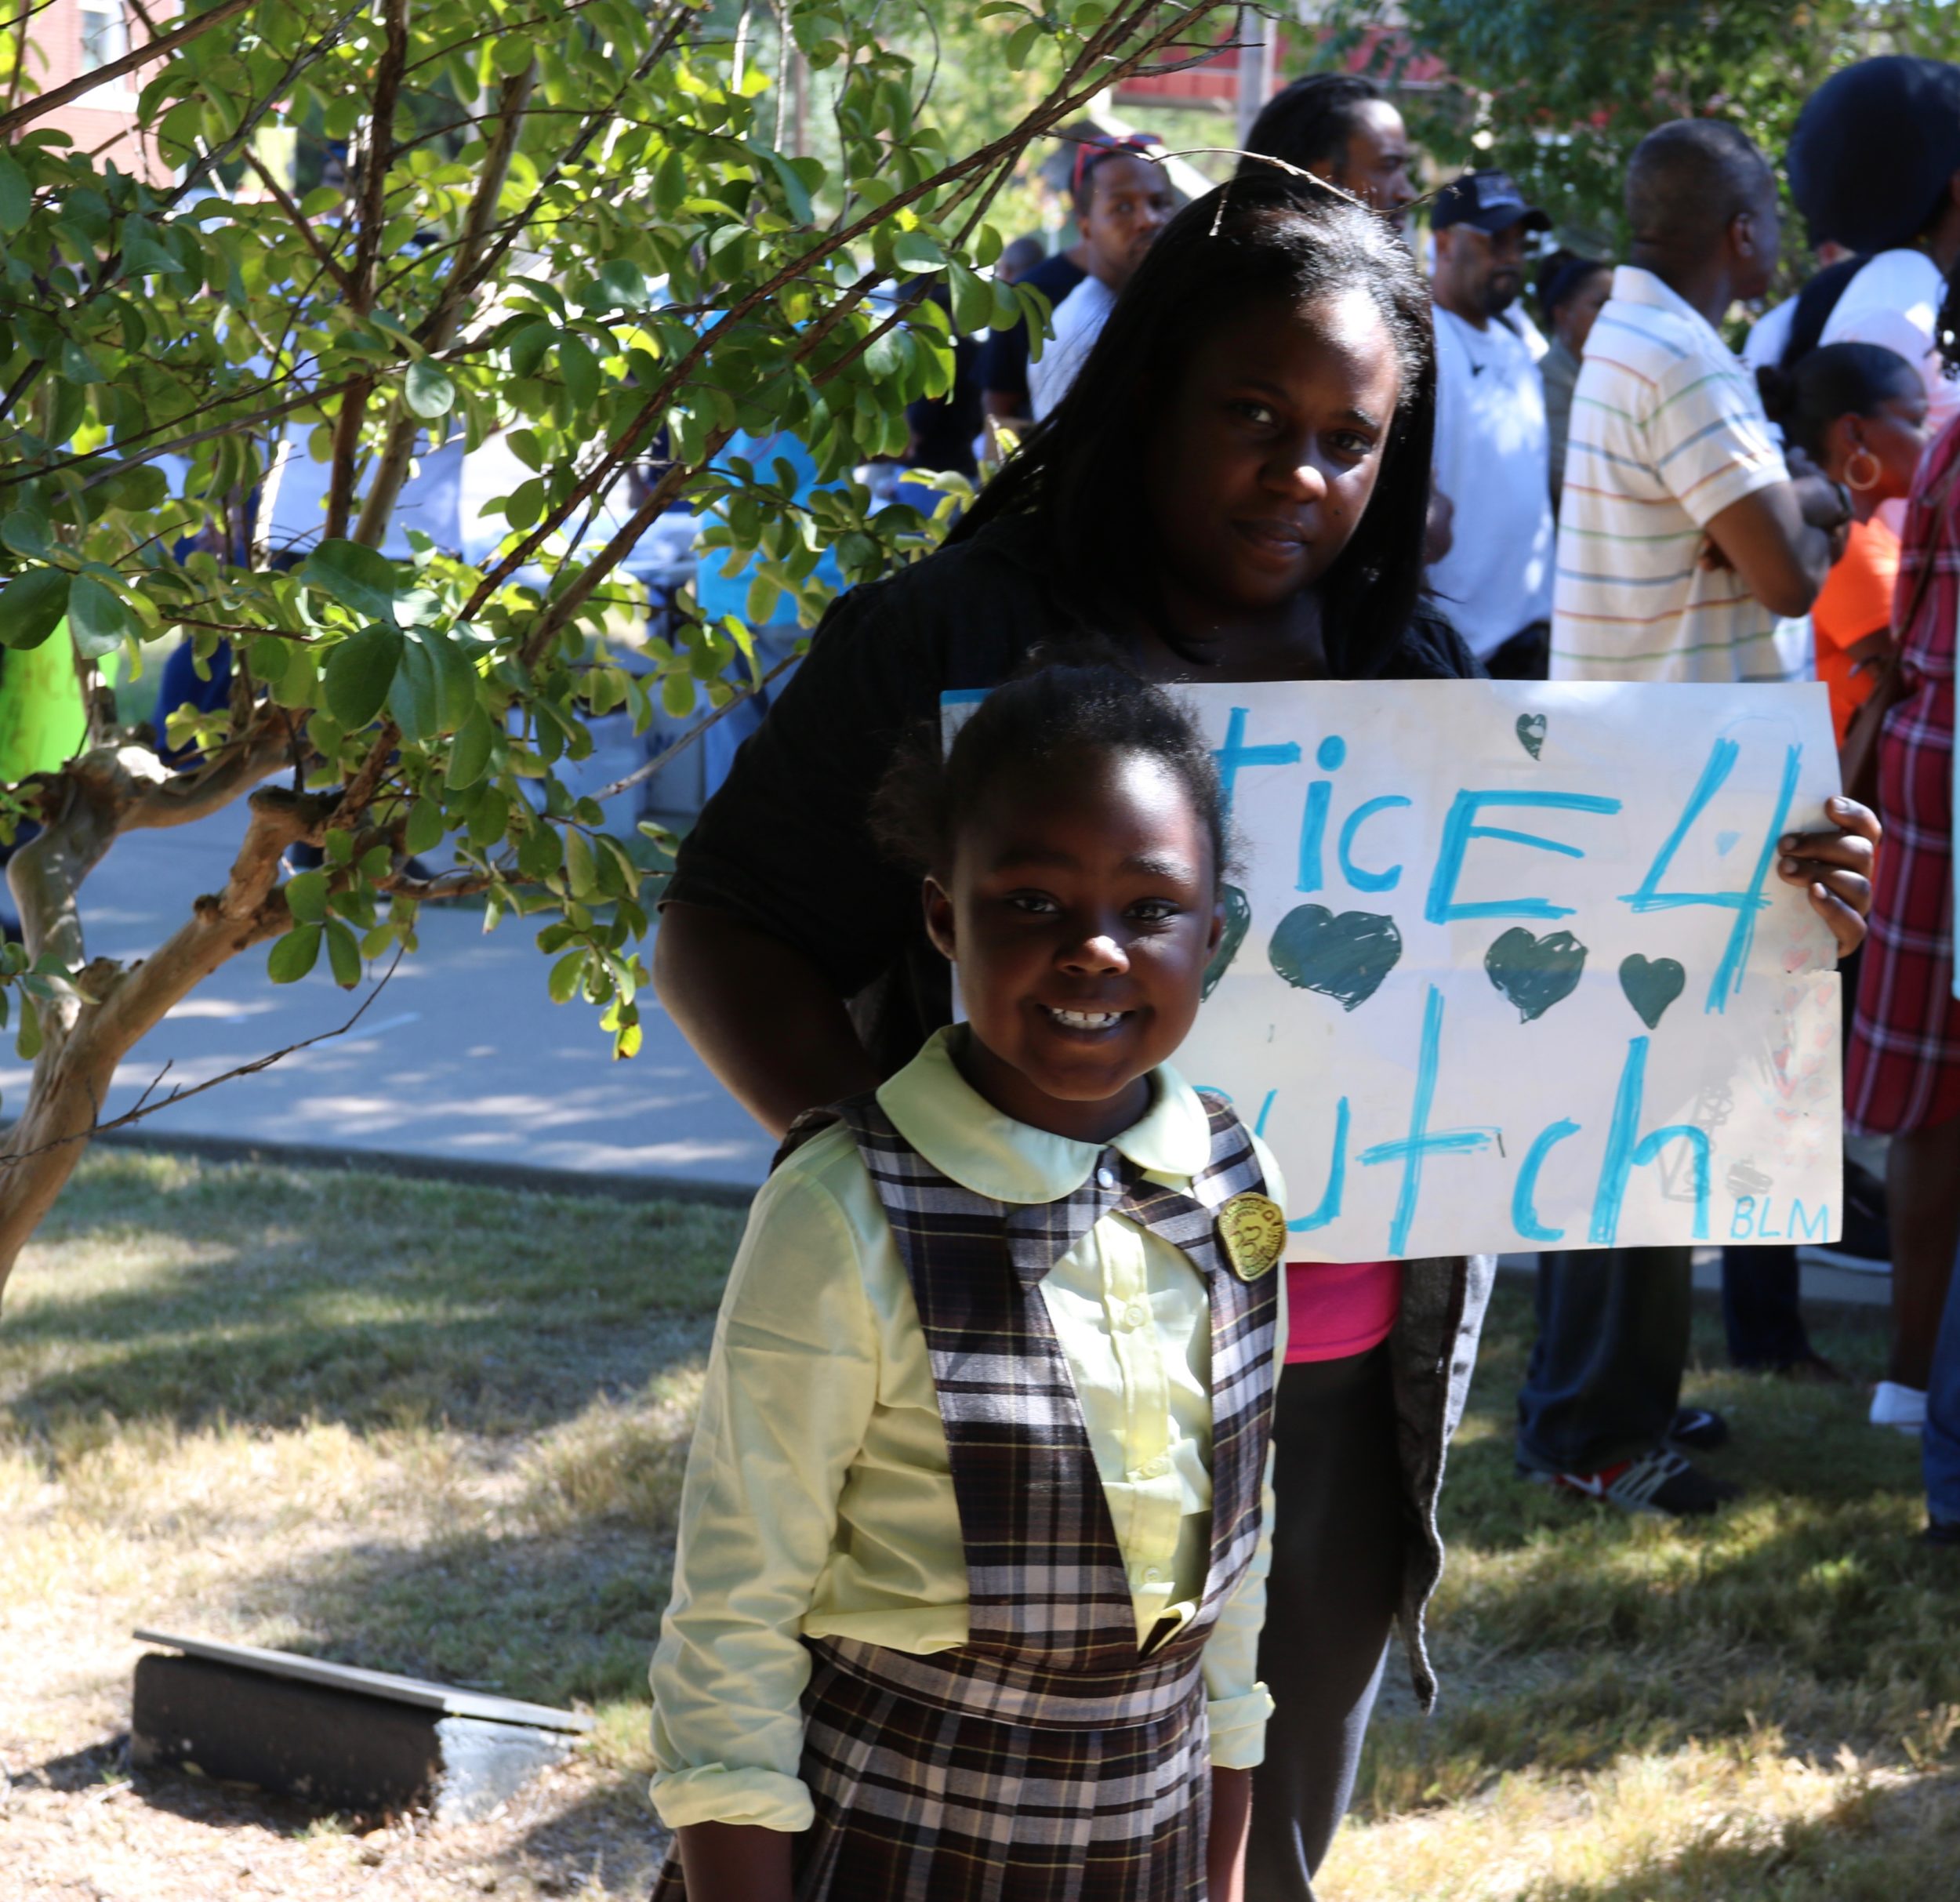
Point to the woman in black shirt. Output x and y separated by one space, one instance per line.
1234 489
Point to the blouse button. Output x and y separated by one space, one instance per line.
1135 1315
1107 1178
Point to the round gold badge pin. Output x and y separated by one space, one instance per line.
1254 1230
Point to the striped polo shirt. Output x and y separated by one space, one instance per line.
1667 431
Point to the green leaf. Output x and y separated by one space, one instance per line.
470 757
528 348
99 618
563 984
26 533
358 672
307 896
582 873
413 699
428 391
344 954
972 299
914 250
424 832
581 369
294 955
357 577
31 606
16 195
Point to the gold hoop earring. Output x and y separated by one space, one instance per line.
1852 472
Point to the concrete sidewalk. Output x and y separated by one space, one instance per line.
463 1056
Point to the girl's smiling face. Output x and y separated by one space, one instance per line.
1080 911
1271 448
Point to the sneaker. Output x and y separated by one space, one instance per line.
1660 1482
1698 1427
1941 1531
1903 1409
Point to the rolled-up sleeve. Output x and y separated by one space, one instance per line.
791 1381
1237 1703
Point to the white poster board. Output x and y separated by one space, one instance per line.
1512 969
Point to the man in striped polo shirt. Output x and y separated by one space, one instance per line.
1682 538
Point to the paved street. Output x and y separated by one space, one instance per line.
462 1055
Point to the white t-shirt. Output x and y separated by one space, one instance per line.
1668 431
1078 321
1894 301
1493 460
1770 337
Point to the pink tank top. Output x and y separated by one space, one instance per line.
1336 1308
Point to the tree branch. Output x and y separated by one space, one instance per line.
43 103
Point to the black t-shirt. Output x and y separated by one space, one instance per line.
1003 357
785 842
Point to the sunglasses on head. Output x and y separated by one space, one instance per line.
1091 152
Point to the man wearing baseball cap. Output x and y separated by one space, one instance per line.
1492 452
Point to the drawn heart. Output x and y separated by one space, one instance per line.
1651 985
1238 916
1531 733
1535 973
1345 957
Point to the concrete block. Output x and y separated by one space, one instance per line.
337 1737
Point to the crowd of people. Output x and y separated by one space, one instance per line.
984 1519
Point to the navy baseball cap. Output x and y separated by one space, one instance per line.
1488 200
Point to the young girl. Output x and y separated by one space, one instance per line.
972 1548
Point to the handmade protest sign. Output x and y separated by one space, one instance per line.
1507 965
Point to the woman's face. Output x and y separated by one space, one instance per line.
1269 450
1895 434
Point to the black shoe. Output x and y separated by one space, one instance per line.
1942 1531
1699 1427
1661 1482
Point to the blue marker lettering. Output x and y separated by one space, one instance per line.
1745 904
1461 827
1800 1224
1742 1222
1330 756
1265 1110
1420 1142
1236 753
1524 1211
1624 1154
1363 881
1330 1199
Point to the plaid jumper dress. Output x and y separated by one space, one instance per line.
1048 1759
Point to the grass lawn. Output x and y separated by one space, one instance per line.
430 1429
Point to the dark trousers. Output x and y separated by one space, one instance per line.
1760 1308
1340 1532
1605 1376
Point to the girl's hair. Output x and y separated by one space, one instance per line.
1079 700
1562 276
1837 379
1277 238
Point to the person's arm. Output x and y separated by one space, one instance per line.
1772 540
1225 1850
736 1862
760 1014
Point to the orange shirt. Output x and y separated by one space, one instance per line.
1856 601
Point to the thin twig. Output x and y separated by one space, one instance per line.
144 1107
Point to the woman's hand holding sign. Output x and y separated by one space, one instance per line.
1836 864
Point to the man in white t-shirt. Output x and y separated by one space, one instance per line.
1124 198
1493 451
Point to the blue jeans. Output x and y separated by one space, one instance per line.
1940 1443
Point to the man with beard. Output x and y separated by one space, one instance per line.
1124 198
1492 453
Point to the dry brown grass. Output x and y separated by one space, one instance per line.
426 1429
